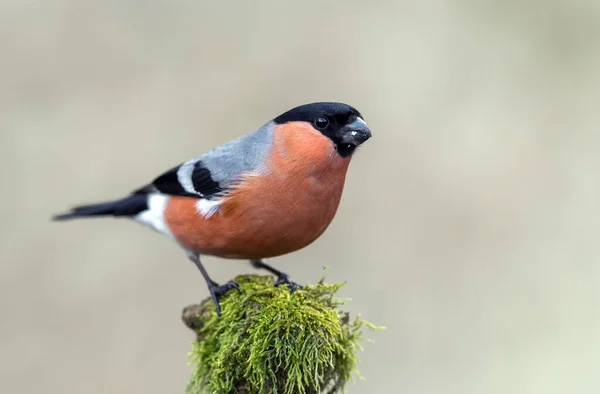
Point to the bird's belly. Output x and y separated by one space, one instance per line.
288 220
263 218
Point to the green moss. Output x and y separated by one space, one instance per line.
269 341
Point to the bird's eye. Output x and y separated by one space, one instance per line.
321 122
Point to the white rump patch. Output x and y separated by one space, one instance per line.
207 208
154 216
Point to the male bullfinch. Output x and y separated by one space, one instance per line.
265 194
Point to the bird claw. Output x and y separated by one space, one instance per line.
217 290
284 279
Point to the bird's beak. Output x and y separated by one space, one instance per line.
356 133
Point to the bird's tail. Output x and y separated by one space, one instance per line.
128 206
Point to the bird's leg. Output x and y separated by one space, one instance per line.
213 287
282 277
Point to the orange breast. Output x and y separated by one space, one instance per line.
272 213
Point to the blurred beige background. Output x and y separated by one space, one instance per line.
468 227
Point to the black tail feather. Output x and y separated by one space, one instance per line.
128 206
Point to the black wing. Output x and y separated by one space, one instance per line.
197 178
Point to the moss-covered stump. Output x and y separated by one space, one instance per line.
270 341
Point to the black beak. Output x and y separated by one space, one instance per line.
356 133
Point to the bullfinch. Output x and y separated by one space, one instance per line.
265 194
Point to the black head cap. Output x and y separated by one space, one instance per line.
343 124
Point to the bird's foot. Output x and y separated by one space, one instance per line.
217 290
284 279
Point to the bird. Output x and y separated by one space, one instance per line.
265 194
